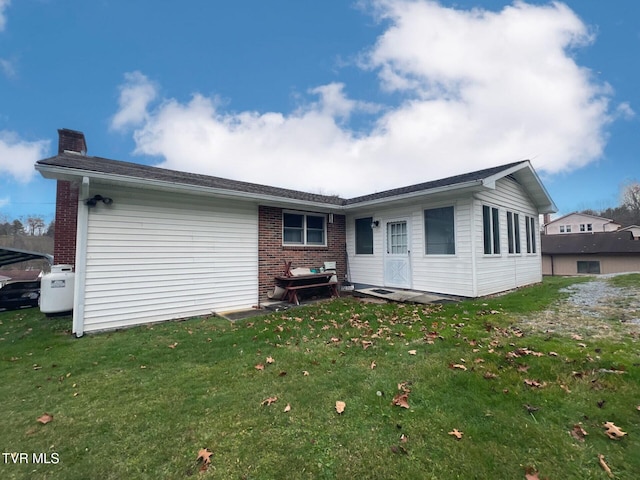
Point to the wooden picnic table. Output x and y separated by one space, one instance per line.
293 284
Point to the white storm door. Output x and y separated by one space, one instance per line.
397 269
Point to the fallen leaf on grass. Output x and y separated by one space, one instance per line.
398 449
45 418
413 352
404 386
203 455
305 373
402 400
531 408
373 365
535 383
613 432
456 433
604 465
259 366
565 388
404 438
173 345
340 406
269 401
287 408
270 360
490 375
459 366
531 474
578 432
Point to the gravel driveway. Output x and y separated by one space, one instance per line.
593 309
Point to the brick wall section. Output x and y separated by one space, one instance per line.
64 240
272 254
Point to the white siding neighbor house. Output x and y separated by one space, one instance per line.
150 244
580 223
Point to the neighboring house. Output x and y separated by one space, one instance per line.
634 229
151 244
580 223
604 252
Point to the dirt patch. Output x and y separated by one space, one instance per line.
594 309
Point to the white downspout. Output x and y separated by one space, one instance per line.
81 259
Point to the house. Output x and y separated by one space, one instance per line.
579 223
603 252
634 229
151 244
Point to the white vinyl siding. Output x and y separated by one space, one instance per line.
497 273
154 257
448 274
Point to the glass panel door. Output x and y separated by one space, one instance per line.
397 238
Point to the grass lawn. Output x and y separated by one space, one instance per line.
261 393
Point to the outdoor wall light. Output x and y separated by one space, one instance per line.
91 202
375 223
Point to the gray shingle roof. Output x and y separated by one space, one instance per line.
85 163
590 243
136 170
425 186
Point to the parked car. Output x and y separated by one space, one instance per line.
20 294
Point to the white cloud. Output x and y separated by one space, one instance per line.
7 68
4 201
480 88
17 156
4 4
135 95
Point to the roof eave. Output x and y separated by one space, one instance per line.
541 197
402 198
64 173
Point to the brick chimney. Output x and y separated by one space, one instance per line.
64 239
71 141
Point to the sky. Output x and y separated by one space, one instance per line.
336 97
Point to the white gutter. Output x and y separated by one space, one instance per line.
53 172
81 259
409 196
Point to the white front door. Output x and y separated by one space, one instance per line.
397 269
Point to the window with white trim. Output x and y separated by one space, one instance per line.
491 230
303 229
513 232
364 236
439 231
530 224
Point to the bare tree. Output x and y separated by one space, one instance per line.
35 225
631 197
